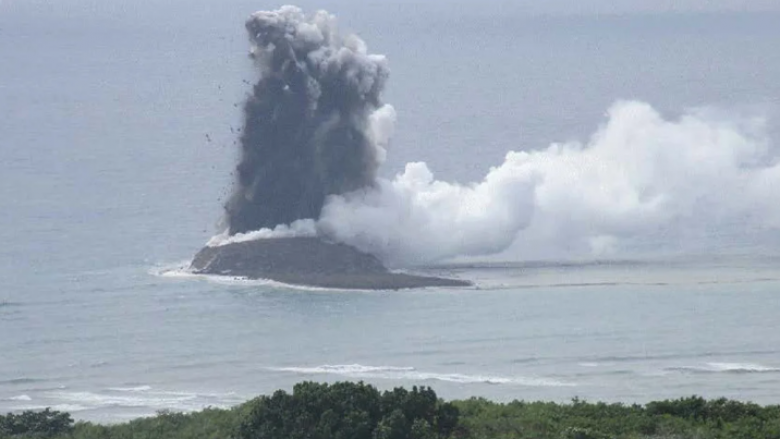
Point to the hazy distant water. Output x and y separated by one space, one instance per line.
107 177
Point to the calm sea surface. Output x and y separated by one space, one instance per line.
108 180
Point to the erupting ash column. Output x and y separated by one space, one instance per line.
307 129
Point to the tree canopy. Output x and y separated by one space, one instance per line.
349 410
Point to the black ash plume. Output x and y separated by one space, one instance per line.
307 123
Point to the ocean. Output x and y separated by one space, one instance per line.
118 132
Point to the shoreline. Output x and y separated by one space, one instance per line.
309 262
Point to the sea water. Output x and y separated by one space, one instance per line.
117 132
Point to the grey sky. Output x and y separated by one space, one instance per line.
643 6
531 6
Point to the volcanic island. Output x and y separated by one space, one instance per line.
309 261
315 127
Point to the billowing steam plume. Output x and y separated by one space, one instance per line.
640 183
316 132
307 132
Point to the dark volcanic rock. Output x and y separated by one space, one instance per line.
308 261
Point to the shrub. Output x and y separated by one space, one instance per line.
46 423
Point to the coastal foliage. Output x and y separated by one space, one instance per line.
348 410
360 411
684 418
46 423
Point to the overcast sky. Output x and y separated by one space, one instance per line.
532 6
627 6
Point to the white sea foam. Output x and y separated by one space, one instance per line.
741 367
91 399
345 369
182 271
589 364
177 269
411 374
20 398
143 397
131 389
726 368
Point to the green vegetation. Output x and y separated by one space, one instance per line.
47 423
359 411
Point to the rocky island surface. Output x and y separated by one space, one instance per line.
311 262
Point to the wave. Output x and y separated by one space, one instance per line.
138 397
342 369
411 374
738 368
69 408
20 398
130 389
487 284
97 400
176 269
590 364
609 359
18 381
182 271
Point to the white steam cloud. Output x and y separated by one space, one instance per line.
640 177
